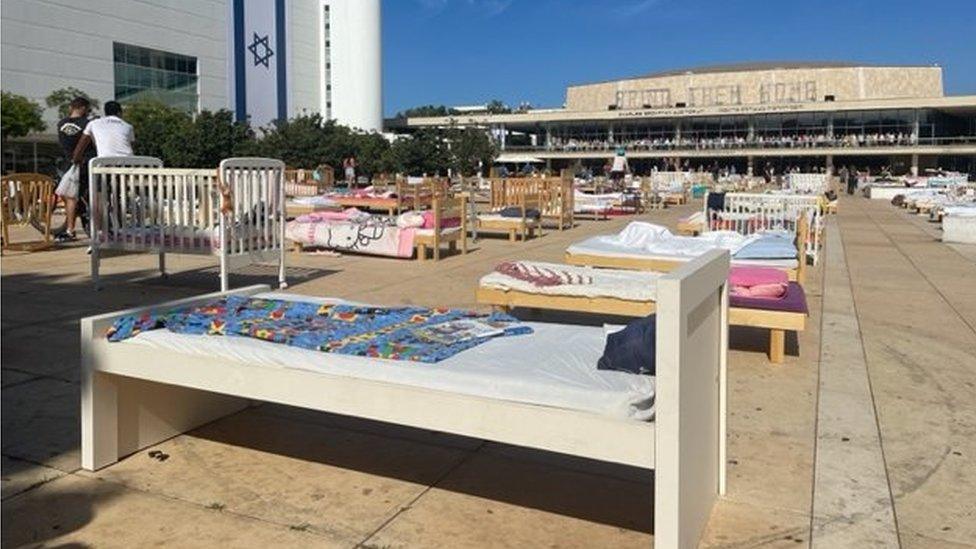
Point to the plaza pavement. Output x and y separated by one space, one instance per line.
863 437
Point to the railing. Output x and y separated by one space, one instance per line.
748 213
733 143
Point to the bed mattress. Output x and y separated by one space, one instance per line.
607 249
587 282
555 366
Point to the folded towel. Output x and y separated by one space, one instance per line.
755 276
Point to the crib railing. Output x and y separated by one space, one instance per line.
748 213
137 205
811 183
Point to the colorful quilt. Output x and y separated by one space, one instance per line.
399 333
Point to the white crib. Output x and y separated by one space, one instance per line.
748 213
807 183
140 206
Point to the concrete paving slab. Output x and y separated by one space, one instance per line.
494 501
78 512
338 483
736 525
41 423
19 476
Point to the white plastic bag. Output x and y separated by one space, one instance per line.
68 187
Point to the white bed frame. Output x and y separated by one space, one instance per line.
134 396
131 193
770 211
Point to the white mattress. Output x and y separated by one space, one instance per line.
605 250
447 231
627 285
502 218
555 366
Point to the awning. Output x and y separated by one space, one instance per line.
516 158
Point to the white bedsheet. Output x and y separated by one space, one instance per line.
627 285
555 366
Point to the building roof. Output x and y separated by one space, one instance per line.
753 66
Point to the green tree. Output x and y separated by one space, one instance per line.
159 129
470 148
210 138
496 106
61 99
373 154
424 152
19 116
425 111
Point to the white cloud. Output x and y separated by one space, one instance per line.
487 8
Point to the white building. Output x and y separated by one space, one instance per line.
293 56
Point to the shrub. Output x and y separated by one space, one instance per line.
19 116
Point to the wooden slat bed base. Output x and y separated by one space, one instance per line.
777 322
648 264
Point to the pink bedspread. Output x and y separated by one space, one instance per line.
758 282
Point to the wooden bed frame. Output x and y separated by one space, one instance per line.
445 208
24 197
134 396
777 322
417 196
665 265
556 197
515 226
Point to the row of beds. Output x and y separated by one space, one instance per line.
540 390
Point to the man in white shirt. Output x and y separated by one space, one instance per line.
112 135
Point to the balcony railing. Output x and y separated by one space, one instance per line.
734 143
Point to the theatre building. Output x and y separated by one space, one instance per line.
807 115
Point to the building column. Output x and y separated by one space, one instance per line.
916 128
914 165
548 138
610 133
751 133
503 133
750 165
830 164
830 126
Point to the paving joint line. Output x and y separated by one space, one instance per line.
867 371
404 508
915 266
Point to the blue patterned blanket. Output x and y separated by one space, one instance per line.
401 333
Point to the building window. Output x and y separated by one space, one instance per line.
144 73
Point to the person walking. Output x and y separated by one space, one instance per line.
112 135
851 181
349 169
70 131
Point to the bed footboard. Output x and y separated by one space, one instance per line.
692 348
121 415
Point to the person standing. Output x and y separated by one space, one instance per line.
349 169
70 131
851 180
112 135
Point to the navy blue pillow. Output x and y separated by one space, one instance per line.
632 349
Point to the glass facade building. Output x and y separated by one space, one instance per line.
144 73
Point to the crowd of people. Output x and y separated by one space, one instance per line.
778 141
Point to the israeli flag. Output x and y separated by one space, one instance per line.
259 64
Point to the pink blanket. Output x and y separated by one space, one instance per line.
761 282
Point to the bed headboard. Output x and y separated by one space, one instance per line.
692 348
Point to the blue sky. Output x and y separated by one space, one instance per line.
470 51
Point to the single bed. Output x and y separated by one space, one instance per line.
633 293
520 219
359 232
647 247
138 393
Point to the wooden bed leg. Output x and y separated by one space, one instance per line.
437 253
511 235
162 264
422 252
777 346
